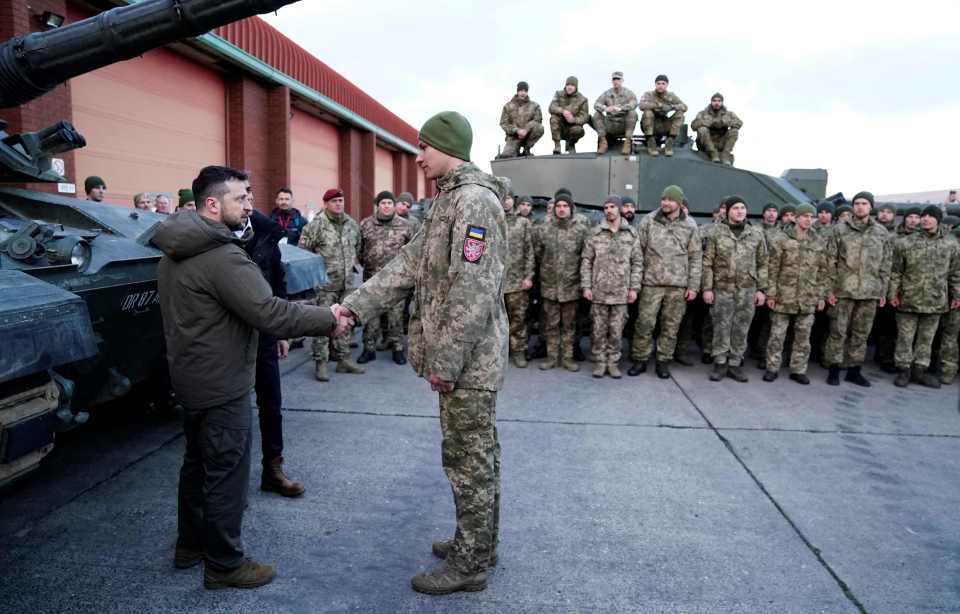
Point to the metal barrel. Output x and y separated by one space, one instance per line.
32 65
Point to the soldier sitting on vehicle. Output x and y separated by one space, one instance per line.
662 116
569 111
522 122
615 115
717 129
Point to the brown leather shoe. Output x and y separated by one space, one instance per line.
250 574
275 480
185 558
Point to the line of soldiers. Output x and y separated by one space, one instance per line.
615 115
796 277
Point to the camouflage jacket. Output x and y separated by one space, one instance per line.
770 233
521 261
858 257
822 231
338 244
925 274
455 265
414 222
612 264
672 252
716 121
519 114
577 105
381 240
797 272
558 245
733 262
625 99
659 103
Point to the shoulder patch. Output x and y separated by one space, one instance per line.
474 243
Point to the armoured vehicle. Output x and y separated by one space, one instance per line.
79 313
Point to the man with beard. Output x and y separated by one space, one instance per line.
717 129
662 115
522 122
824 222
628 210
569 111
615 115
287 216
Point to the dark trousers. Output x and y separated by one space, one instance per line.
269 399
214 480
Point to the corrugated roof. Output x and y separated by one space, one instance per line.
263 41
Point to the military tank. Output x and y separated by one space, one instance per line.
592 177
79 308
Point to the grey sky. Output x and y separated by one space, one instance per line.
867 90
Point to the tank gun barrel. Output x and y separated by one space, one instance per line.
32 65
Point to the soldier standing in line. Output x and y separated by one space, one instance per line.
824 222
518 279
569 111
610 274
734 281
858 256
821 229
628 209
458 339
381 237
844 213
662 114
717 129
558 243
671 253
788 215
884 331
525 208
924 285
336 237
403 204
522 122
887 217
797 272
760 329
615 115
910 222
949 332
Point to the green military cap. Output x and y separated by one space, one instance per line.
384 195
806 208
523 85
92 182
826 205
524 199
674 193
912 211
769 206
863 194
185 196
571 80
663 78
887 206
449 132
405 197
844 209
788 208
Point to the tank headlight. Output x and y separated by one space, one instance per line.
80 255
70 250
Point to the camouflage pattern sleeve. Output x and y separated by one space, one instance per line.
833 245
773 270
695 261
730 120
529 258
709 255
677 104
630 104
763 276
474 286
886 266
636 267
896 271
537 117
582 114
953 275
824 279
699 121
587 257
601 104
555 107
506 121
310 237
648 102
388 287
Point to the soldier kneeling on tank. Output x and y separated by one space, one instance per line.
662 116
522 122
615 115
569 111
717 130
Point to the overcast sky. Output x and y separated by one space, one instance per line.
867 90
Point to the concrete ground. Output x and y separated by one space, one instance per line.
638 495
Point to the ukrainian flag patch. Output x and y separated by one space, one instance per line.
476 232
473 243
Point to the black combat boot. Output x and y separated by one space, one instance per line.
770 376
736 374
663 370
682 359
902 379
833 377
399 357
638 367
706 358
854 377
719 372
366 357
930 380
800 378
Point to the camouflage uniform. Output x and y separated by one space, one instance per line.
521 265
925 277
615 124
821 231
611 266
458 331
858 260
517 114
558 244
717 130
760 330
734 268
654 121
414 222
380 241
798 279
578 106
671 251
338 242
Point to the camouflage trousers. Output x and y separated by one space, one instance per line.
560 130
915 333
850 323
560 327
711 141
669 304
517 304
392 334
320 347
513 144
614 125
731 314
471 460
653 124
949 350
607 329
800 353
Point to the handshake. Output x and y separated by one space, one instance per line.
345 320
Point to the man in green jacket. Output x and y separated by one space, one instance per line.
214 299
569 111
522 122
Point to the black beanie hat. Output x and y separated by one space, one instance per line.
768 206
523 86
734 199
628 199
887 206
933 211
844 209
384 195
563 194
826 206
863 194
661 78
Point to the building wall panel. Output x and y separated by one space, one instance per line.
315 158
383 170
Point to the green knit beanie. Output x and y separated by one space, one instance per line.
450 133
405 197
93 182
185 195
806 208
674 193
563 194
571 80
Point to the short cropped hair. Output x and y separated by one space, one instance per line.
284 191
212 182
